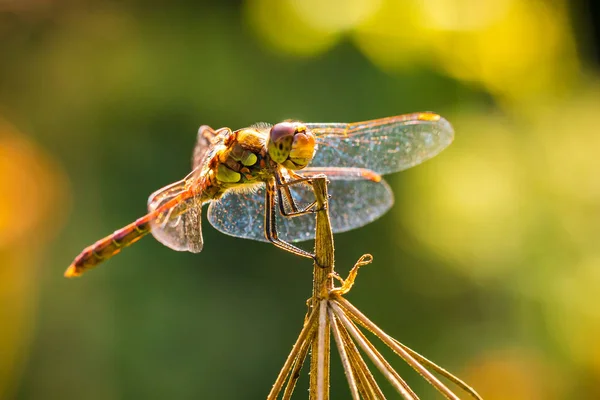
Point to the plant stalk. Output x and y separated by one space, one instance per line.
322 284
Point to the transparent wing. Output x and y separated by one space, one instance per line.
383 145
205 139
354 202
178 226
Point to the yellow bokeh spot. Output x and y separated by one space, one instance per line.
515 374
395 36
515 49
569 145
564 155
465 204
278 24
573 318
334 15
524 53
463 15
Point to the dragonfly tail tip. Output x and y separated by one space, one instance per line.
72 272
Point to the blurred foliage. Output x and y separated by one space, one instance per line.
489 263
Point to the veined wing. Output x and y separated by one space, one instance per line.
179 226
354 202
383 145
206 139
203 141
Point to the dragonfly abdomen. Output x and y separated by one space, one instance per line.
109 246
113 243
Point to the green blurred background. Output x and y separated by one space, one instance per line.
489 263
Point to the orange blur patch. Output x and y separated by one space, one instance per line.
34 196
428 117
33 202
515 374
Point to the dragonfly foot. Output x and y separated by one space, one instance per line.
314 257
317 209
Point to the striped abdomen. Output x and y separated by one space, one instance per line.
107 247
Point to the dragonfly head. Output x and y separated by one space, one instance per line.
291 144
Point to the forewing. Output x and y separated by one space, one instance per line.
205 139
180 226
383 145
353 203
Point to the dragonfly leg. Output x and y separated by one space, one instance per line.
283 189
297 179
313 172
271 225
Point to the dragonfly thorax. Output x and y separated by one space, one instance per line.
251 155
238 161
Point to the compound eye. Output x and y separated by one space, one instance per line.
282 130
281 138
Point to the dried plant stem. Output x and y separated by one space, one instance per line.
295 373
430 364
367 386
348 370
329 311
407 356
300 347
320 356
322 284
375 356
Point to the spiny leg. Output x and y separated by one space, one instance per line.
312 174
271 225
283 189
308 174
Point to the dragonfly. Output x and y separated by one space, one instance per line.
257 182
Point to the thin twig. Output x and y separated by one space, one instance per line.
446 374
302 342
321 356
406 356
295 373
375 356
367 387
344 356
373 349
